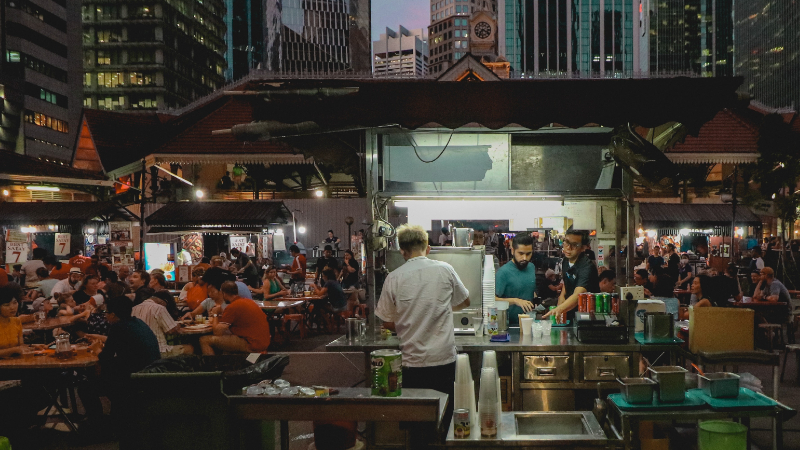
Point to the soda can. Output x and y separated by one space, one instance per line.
598 303
553 318
387 373
615 303
562 318
606 303
590 303
582 298
461 423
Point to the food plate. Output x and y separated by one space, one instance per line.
197 327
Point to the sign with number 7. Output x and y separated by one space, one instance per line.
62 244
16 252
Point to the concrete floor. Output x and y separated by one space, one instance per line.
309 364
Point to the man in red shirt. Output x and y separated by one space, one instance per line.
298 270
243 327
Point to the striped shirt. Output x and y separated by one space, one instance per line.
158 319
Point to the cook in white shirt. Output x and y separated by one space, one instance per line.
418 301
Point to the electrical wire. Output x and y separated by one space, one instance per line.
410 138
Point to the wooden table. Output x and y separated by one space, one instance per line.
760 305
269 306
182 331
43 367
51 323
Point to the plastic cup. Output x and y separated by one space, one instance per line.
525 325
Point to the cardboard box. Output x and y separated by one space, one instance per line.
646 306
713 329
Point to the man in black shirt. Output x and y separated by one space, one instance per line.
673 262
129 347
580 275
327 261
246 268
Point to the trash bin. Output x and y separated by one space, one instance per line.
722 435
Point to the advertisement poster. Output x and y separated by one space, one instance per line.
159 256
16 252
239 242
120 231
61 247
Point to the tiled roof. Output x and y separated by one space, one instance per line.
122 138
16 164
692 215
42 213
728 132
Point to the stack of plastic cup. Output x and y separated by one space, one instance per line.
490 360
464 387
487 402
488 287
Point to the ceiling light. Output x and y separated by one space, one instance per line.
6 193
319 193
42 188
301 230
28 229
198 193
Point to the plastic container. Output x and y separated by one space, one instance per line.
719 385
721 435
671 383
637 390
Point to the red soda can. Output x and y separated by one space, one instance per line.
581 302
590 303
615 303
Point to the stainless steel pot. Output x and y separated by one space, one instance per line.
658 325
462 237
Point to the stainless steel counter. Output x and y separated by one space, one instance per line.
559 340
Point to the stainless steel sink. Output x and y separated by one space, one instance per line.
571 423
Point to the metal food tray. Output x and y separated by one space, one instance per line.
747 399
690 402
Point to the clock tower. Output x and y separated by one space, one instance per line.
483 34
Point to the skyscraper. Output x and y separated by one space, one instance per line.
768 50
450 30
244 37
158 55
571 37
40 76
317 36
400 54
691 36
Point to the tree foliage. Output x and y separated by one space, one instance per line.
778 167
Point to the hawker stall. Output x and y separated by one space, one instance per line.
554 160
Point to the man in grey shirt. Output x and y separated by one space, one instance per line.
772 290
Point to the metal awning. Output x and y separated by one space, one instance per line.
222 217
240 158
56 213
682 215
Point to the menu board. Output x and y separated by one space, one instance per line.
61 247
16 247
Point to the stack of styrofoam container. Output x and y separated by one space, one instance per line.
488 287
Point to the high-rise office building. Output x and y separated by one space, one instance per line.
768 50
400 54
162 54
452 30
691 36
571 37
317 36
40 77
244 37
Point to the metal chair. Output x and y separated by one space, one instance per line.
791 348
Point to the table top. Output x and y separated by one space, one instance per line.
311 298
182 330
46 360
757 304
50 323
269 305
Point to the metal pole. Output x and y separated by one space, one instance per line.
628 187
733 219
618 237
141 217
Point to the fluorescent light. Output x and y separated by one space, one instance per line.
42 188
173 175
28 229
684 231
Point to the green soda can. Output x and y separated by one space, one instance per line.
598 303
553 318
606 303
387 373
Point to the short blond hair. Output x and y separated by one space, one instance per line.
412 238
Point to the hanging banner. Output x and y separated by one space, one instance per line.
16 252
16 236
62 244
239 242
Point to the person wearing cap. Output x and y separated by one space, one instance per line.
551 287
71 284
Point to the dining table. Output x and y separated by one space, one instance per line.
42 368
270 306
50 323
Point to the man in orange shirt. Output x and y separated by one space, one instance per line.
58 271
243 327
80 261
298 269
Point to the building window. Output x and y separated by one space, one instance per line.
107 12
87 79
139 79
111 103
110 79
104 36
87 102
45 121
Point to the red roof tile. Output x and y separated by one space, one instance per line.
728 132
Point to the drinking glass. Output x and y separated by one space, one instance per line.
356 330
